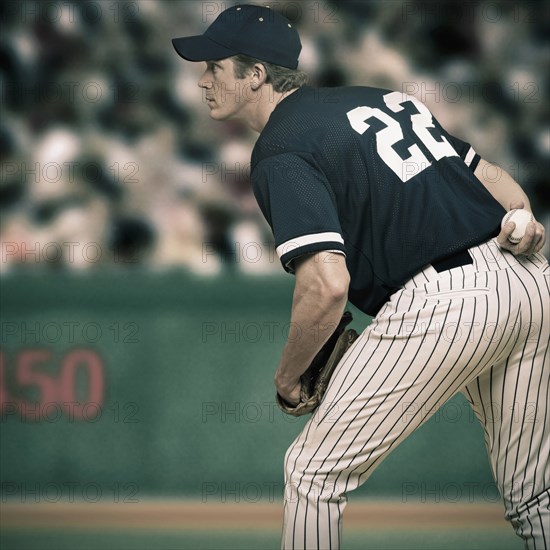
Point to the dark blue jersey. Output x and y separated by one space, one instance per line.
371 174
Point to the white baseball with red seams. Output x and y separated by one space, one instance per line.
521 218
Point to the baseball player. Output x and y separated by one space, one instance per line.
370 200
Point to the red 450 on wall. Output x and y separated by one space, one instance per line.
43 385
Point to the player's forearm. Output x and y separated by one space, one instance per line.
501 185
320 297
314 318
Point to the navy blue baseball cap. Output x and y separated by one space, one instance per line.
256 31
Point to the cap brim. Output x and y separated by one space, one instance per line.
200 48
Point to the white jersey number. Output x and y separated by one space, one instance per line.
386 138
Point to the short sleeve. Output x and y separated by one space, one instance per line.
465 151
298 203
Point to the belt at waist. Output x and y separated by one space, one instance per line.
454 260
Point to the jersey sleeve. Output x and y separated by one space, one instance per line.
465 151
297 202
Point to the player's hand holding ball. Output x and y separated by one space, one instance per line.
520 218
520 232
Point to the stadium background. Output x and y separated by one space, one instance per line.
143 306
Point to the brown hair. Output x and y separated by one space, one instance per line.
281 78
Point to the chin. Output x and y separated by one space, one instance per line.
217 114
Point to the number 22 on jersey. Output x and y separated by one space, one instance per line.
386 138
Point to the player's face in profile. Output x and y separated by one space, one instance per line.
223 92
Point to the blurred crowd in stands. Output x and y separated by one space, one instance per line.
110 159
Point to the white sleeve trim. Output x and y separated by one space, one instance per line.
470 156
297 242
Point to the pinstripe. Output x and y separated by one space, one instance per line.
323 440
403 431
289 454
387 376
402 316
381 403
341 415
528 388
487 438
490 394
529 450
531 531
437 400
336 442
323 461
338 395
507 451
307 429
383 419
502 401
471 326
305 433
297 496
491 388
502 397
527 527
544 423
491 404
395 313
481 416
319 535
530 320
545 545
547 282
391 377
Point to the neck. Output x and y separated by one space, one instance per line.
262 109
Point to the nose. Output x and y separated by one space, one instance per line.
204 83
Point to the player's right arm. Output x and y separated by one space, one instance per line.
510 195
298 203
320 296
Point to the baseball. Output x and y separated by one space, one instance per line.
521 218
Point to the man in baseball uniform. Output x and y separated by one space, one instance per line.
370 200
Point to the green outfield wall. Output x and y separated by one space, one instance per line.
134 384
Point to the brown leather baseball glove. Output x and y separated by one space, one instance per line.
316 378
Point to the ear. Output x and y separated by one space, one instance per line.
258 76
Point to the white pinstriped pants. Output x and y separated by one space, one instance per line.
482 329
